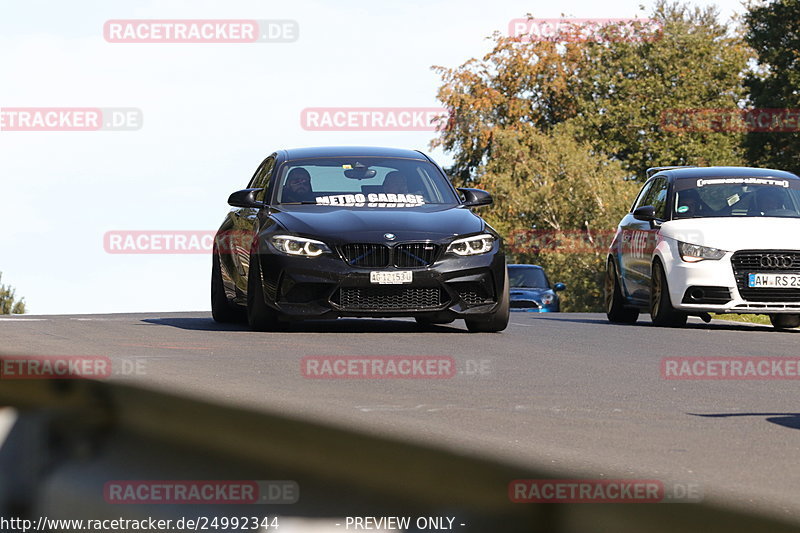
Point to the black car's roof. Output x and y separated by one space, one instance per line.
727 172
349 151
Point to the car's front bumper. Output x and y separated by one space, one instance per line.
532 306
328 287
711 286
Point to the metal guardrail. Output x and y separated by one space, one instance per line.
73 436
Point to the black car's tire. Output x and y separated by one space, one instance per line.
781 321
221 309
661 311
260 316
616 311
497 321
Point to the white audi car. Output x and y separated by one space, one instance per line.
702 240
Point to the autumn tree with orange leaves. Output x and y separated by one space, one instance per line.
558 130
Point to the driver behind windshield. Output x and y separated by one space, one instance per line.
298 186
395 183
690 204
768 199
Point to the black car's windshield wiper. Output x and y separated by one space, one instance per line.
300 203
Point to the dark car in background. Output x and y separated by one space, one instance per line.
532 291
357 232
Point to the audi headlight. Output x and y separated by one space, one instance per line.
301 246
692 253
479 244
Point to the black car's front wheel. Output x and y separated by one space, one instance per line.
221 310
497 321
661 311
260 316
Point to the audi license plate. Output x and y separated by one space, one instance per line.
774 280
390 278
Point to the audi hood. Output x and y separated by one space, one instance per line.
731 234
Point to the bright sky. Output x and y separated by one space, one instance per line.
211 113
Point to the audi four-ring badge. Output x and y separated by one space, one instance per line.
701 240
357 232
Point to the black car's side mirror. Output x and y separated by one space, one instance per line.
559 287
245 198
646 213
475 197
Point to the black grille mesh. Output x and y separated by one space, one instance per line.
524 304
366 255
406 255
415 254
388 298
474 293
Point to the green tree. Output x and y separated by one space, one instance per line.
617 92
557 203
773 30
8 303
633 88
552 129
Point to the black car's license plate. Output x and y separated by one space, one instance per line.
395 277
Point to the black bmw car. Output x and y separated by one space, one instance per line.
357 232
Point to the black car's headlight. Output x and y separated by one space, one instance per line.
692 253
479 244
301 246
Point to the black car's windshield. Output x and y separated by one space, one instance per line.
736 197
529 278
363 182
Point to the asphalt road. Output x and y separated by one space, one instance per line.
568 392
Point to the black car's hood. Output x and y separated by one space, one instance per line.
430 222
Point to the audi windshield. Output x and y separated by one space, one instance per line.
736 197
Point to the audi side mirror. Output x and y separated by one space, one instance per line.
646 213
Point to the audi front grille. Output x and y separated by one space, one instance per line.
768 261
